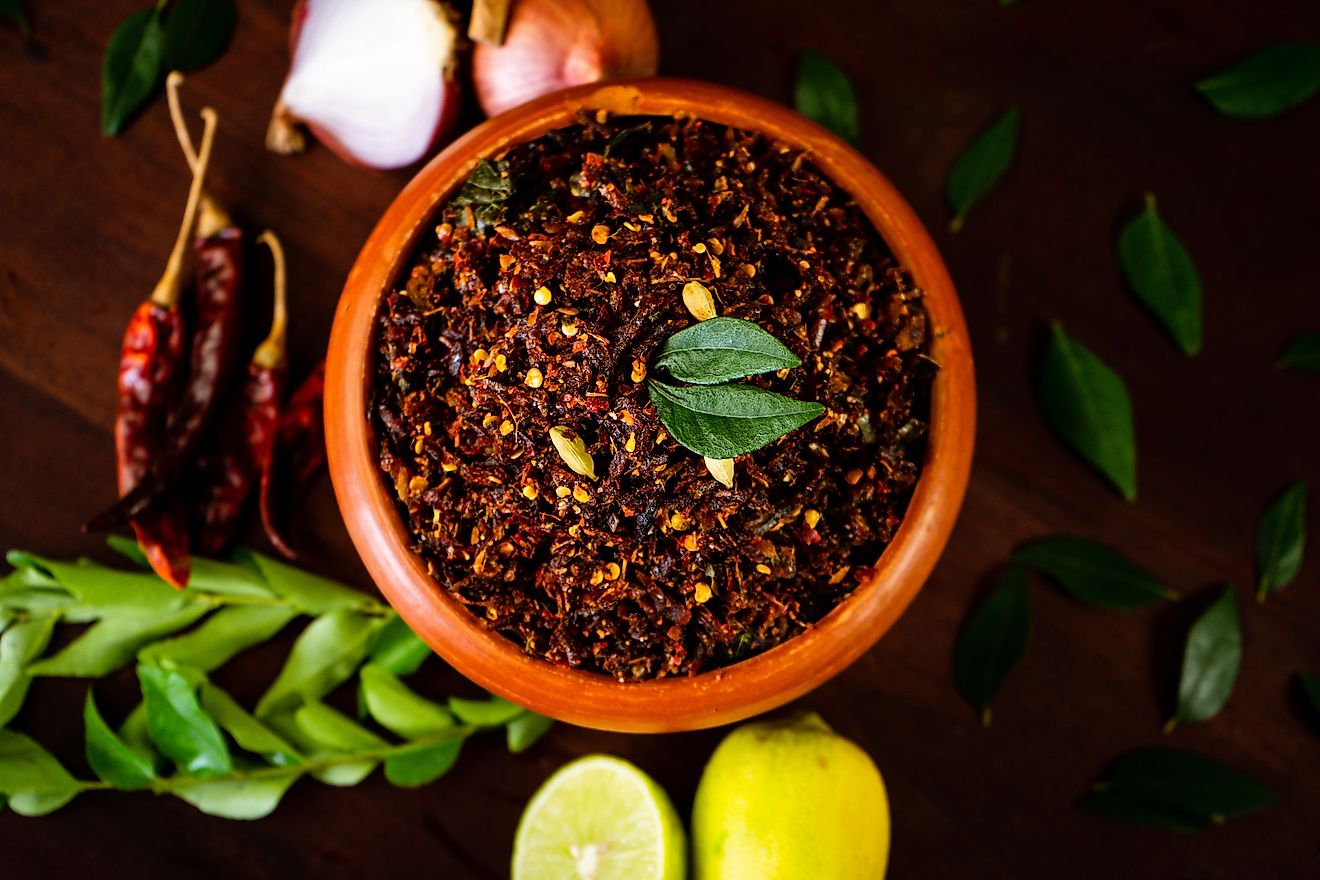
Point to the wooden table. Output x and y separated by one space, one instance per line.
1108 113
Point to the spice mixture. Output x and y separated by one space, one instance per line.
552 279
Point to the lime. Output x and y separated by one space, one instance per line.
599 818
790 799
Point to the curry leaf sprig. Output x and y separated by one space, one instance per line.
712 417
823 94
191 739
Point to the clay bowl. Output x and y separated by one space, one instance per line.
720 696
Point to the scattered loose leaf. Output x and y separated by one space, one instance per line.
221 636
1160 272
1093 572
1211 659
397 709
1174 789
1086 404
981 165
132 67
725 421
110 757
1281 541
113 643
485 713
397 649
323 657
992 642
20 645
179 727
824 94
1267 82
719 350
1303 353
196 32
522 732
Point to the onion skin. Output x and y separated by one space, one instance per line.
283 136
553 44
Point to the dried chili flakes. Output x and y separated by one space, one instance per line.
550 281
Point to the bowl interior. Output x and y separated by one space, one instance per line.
710 698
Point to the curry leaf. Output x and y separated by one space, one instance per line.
1093 572
484 713
220 637
323 657
30 777
981 165
310 593
1161 274
322 731
522 732
1268 82
721 350
1281 541
112 643
13 11
725 421
1303 353
132 67
485 191
196 32
423 763
112 591
1175 789
992 642
1086 403
823 94
179 725
250 734
1211 659
110 757
206 575
397 649
239 798
398 709
20 645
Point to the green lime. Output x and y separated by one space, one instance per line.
599 818
790 799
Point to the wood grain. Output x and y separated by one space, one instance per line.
1107 114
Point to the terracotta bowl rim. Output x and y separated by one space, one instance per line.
718 696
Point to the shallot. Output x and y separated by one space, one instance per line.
375 82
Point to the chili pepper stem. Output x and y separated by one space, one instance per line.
167 290
211 218
271 352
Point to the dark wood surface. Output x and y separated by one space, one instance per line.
1108 113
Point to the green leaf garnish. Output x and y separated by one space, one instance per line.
992 642
132 68
323 657
1092 572
110 758
1086 403
981 165
1303 353
179 726
111 643
1161 274
823 94
1211 658
30 777
1173 789
484 713
1281 541
397 649
721 350
485 191
196 32
726 421
397 708
1268 82
523 732
20 645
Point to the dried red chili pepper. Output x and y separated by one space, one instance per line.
218 250
240 451
299 452
149 375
